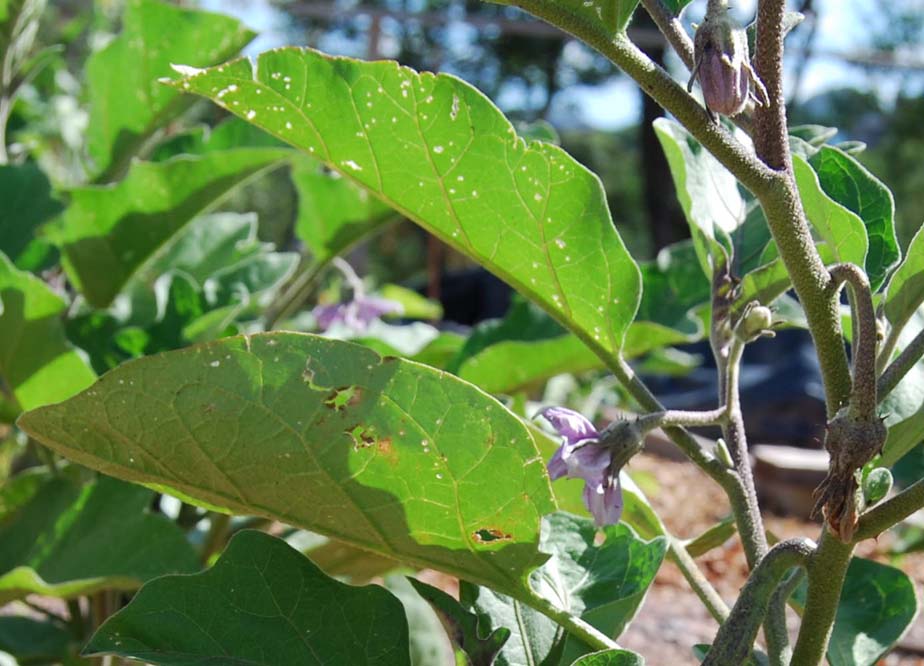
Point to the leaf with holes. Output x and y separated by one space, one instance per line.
69 540
108 232
381 453
36 362
436 150
263 603
127 104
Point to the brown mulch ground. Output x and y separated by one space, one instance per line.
672 618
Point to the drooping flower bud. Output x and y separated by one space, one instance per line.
723 63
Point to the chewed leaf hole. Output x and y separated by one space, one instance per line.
343 397
487 535
363 436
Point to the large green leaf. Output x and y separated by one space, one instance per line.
877 605
840 228
848 182
36 362
70 540
263 603
436 150
127 104
27 203
707 191
108 232
381 453
906 287
603 582
607 18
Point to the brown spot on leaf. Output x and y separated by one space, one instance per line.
488 535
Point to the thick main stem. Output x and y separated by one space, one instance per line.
827 569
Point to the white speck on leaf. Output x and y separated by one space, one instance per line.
353 165
251 114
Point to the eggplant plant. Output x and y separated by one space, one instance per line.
204 468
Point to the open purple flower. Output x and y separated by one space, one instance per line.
356 314
580 457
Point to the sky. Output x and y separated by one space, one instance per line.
616 104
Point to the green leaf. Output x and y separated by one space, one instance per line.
429 643
108 232
127 104
523 349
333 212
414 305
877 605
262 603
36 361
849 183
604 583
33 641
707 191
610 658
674 290
27 203
711 538
605 18
903 408
323 435
70 540
905 292
435 149
464 628
841 229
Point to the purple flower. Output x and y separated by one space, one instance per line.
356 314
580 457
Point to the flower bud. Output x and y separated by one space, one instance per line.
722 63
755 321
877 485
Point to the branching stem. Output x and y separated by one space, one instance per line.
733 643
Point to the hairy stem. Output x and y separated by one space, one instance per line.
733 642
771 138
863 393
826 571
697 581
900 367
672 29
778 647
681 418
750 523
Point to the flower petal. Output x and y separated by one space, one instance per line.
557 467
604 501
571 425
327 315
589 462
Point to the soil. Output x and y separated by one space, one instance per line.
672 619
